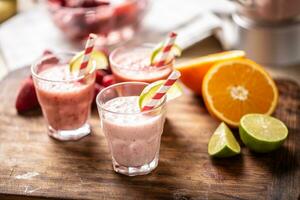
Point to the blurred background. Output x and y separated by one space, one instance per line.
268 30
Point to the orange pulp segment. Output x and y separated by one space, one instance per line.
234 88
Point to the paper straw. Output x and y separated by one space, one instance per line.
89 46
170 41
161 92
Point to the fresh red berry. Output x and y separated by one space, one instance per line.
108 80
100 75
26 98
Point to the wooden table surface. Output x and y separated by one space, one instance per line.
82 170
35 166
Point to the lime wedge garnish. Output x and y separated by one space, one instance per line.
223 143
149 91
98 60
176 51
262 133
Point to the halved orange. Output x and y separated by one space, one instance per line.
193 71
234 88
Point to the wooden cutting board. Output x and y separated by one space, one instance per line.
32 165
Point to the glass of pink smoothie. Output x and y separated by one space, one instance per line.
133 136
132 63
65 99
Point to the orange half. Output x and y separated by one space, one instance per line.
194 70
234 88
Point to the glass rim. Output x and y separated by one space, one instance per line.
134 46
100 105
38 60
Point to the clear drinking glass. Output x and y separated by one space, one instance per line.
133 136
65 99
132 63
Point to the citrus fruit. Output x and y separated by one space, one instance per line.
97 59
193 71
234 88
262 133
175 51
149 91
223 143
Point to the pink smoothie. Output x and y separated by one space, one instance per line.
65 105
134 139
134 65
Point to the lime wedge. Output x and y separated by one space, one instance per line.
176 51
223 143
262 133
98 59
149 91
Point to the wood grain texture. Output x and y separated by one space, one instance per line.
82 170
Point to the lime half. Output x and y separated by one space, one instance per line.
175 51
97 59
262 133
223 143
149 91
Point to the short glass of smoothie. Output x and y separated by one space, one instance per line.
132 63
65 98
133 136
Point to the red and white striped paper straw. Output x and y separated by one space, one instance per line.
89 46
166 49
161 92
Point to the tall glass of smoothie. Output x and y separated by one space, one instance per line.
132 63
65 98
133 136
